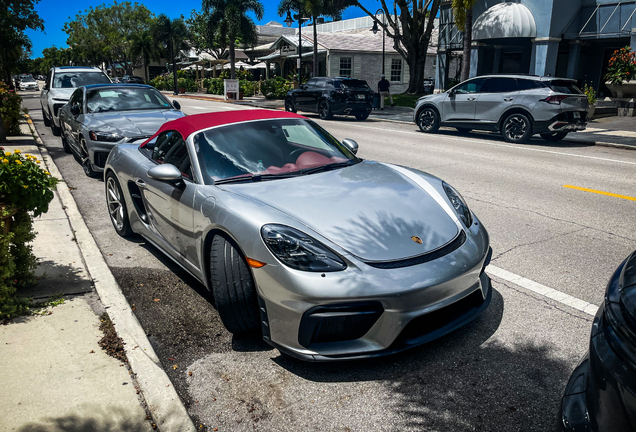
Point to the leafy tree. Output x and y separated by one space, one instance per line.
410 30
144 46
200 38
173 33
463 13
229 21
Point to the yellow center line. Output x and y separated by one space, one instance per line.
600 192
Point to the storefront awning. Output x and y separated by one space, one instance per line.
505 20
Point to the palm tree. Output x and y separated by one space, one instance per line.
228 19
143 45
463 12
172 33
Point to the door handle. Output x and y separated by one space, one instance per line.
140 182
471 98
508 99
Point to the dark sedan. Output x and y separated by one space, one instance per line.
332 96
601 393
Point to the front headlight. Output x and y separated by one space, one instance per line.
299 251
104 136
458 203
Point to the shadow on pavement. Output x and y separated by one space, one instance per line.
95 423
494 136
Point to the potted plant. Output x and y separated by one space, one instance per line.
621 73
591 99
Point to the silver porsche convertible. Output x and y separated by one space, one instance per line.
329 256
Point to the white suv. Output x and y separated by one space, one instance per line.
60 84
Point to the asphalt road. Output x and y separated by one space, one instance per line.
503 372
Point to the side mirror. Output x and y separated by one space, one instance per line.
351 145
166 173
176 104
75 110
451 93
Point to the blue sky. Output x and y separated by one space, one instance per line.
56 13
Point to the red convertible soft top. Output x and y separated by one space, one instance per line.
189 124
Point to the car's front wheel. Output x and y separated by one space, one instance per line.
289 105
554 137
65 146
428 120
517 128
233 288
45 119
117 206
324 110
87 166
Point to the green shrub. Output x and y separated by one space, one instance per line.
276 88
10 109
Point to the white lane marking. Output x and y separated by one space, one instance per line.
543 290
509 146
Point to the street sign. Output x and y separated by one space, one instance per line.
231 86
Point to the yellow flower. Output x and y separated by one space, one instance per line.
38 161
18 162
25 186
7 153
17 151
47 173
5 160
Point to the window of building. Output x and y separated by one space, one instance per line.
345 66
396 70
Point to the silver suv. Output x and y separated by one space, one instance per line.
60 84
518 106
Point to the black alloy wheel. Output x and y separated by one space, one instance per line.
554 137
233 288
517 128
428 120
362 116
324 110
117 206
45 119
289 105
57 131
87 166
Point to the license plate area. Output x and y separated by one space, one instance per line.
360 96
576 115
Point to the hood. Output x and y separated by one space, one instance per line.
131 123
61 93
369 209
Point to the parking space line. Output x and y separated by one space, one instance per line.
543 290
600 192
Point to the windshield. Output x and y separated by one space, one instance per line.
125 99
27 79
563 86
78 79
273 148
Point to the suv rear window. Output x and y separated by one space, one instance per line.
78 79
351 84
563 86
526 84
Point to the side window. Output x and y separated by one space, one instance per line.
77 99
525 84
472 86
312 83
171 148
47 83
500 85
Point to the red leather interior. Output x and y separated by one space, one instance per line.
307 159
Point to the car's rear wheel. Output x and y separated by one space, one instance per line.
87 166
363 116
428 120
289 105
517 128
324 110
45 119
554 137
463 130
233 288
117 206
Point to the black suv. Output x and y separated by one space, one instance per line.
328 96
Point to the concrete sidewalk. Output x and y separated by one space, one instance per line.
608 131
55 376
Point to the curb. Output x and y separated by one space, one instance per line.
161 398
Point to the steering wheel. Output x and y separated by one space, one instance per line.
296 153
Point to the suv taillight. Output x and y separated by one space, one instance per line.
555 100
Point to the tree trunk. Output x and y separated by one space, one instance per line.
468 38
232 62
315 68
416 64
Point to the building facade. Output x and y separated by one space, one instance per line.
566 38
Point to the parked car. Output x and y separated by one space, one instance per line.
28 83
282 223
429 86
99 117
132 79
518 106
332 96
60 83
601 393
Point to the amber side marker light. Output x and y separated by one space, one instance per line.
254 263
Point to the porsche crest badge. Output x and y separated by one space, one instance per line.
416 239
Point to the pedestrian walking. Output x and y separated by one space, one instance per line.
384 89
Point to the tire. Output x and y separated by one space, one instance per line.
46 120
554 137
57 131
516 128
428 120
289 105
362 117
65 146
463 130
85 160
324 110
116 204
233 288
